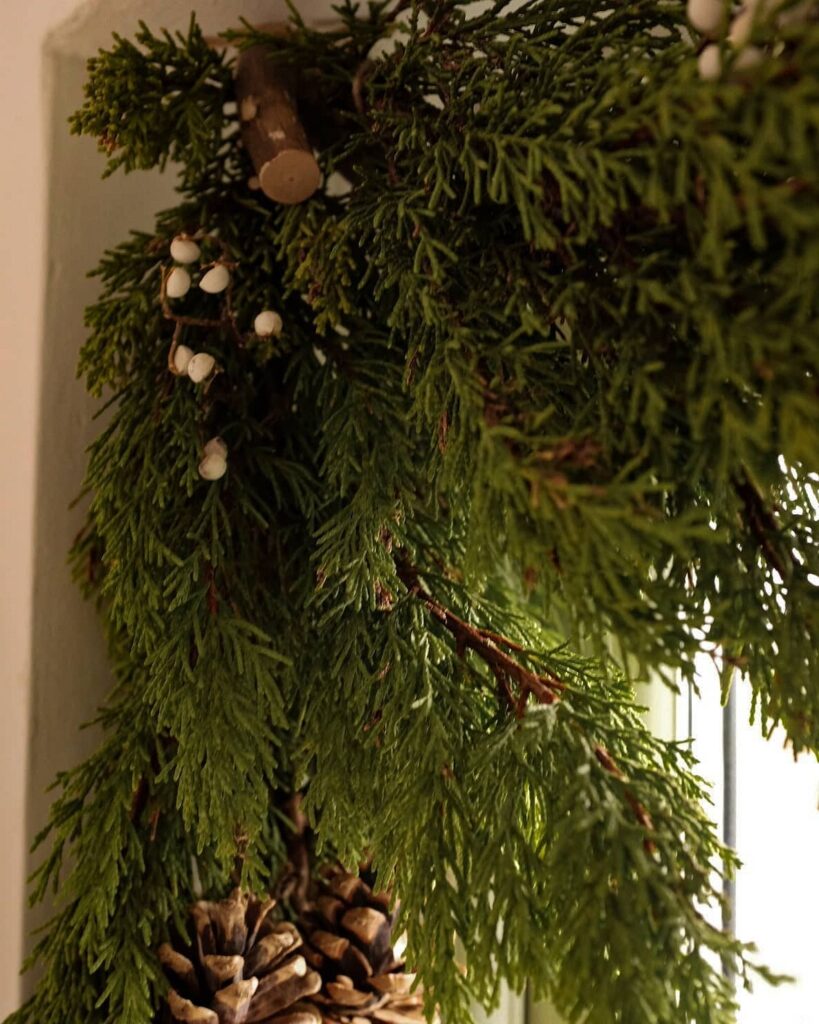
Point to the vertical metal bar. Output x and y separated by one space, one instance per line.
729 819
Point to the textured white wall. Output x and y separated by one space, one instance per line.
23 176
55 219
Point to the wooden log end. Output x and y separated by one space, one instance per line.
291 177
275 139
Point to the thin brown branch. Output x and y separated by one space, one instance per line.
212 592
546 688
607 762
191 321
139 800
294 883
155 816
241 840
762 524
437 20
175 340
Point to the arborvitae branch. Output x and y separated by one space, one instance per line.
181 83
546 689
547 375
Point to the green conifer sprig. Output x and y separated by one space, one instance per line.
181 83
547 381
648 231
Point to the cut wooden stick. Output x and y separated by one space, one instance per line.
271 130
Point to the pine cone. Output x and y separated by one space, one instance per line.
348 936
243 967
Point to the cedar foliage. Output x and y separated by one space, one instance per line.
548 379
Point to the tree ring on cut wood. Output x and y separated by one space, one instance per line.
291 177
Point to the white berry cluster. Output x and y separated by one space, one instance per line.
729 29
185 251
200 367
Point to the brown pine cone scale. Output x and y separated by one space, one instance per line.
243 967
349 942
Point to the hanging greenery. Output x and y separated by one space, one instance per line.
505 400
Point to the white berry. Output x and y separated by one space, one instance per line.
184 250
200 367
707 16
741 27
177 283
709 63
266 323
216 279
216 446
748 58
181 358
213 466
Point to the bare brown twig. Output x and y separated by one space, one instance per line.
546 688
359 78
294 884
762 524
607 762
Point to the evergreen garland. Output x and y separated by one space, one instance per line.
547 382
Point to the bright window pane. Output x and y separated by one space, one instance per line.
778 842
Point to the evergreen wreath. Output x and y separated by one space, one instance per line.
513 381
